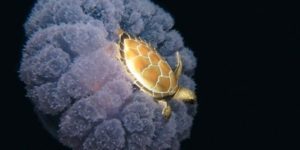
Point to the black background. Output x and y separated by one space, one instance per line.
247 75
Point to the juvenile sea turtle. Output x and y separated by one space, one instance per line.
151 72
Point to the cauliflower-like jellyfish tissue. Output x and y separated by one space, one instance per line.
80 90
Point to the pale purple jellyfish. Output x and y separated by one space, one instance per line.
79 89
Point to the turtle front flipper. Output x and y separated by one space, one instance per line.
185 95
166 112
178 69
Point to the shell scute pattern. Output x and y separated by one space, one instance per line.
143 50
151 71
141 66
154 58
131 54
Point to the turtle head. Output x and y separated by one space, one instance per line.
185 95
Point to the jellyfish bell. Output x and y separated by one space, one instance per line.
85 97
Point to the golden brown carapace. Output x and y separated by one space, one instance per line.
151 72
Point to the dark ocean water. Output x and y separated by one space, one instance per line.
247 75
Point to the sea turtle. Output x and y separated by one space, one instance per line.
151 72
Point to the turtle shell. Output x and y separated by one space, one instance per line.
149 70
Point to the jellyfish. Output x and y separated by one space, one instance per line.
79 89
